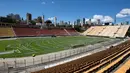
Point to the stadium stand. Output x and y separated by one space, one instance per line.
124 68
6 32
97 30
112 64
93 31
107 31
59 32
44 32
113 31
122 31
72 32
88 31
88 62
25 31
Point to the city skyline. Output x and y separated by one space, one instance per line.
69 10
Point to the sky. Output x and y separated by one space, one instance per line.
68 10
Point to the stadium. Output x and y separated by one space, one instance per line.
99 49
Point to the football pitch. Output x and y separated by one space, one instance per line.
22 47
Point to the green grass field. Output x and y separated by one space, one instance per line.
28 46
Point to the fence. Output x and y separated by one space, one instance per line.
12 65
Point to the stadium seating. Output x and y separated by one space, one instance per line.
44 32
97 29
26 31
72 32
114 31
6 32
85 63
108 31
122 31
124 67
88 31
59 32
93 31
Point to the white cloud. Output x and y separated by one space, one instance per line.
51 18
98 17
86 19
125 11
43 3
94 20
107 19
102 18
119 15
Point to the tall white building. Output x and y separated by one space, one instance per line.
42 22
55 21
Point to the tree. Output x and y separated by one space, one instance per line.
7 20
48 23
33 22
39 19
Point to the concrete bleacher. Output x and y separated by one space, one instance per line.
124 67
59 32
97 29
6 32
122 31
88 31
93 31
25 31
72 32
108 31
114 31
44 32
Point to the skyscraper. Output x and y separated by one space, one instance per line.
55 21
10 16
89 22
61 22
17 17
14 16
28 17
39 19
66 23
69 22
78 21
83 21
74 22
42 22
43 19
